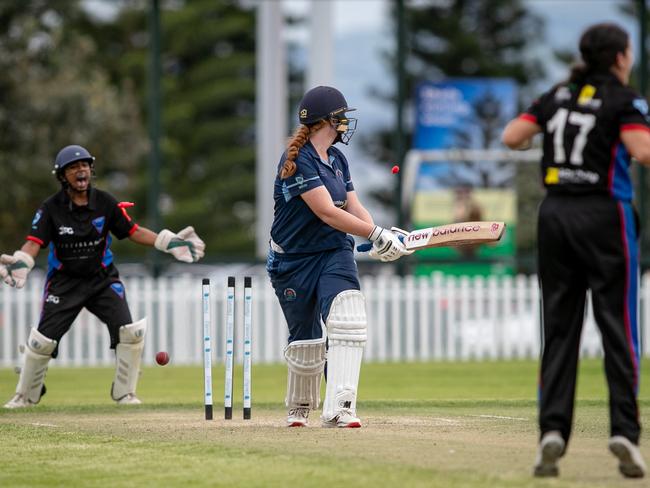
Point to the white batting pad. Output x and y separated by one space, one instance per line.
306 362
37 356
128 354
346 332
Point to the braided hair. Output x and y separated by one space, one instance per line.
299 138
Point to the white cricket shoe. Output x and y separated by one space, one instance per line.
631 464
345 419
551 448
129 399
297 417
19 401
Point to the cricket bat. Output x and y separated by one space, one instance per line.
450 235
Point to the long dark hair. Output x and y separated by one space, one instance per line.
599 45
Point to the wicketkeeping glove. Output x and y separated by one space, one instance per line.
15 268
185 246
386 246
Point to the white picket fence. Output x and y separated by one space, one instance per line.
409 319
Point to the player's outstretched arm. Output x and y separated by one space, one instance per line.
386 245
637 142
15 267
519 133
185 246
356 208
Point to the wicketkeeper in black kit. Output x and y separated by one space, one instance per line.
588 235
76 224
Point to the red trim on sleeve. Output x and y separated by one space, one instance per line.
133 229
529 118
625 127
36 240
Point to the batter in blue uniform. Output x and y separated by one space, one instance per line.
311 261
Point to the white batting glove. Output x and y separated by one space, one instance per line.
185 246
386 246
401 233
15 268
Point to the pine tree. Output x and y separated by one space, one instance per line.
463 38
53 94
208 97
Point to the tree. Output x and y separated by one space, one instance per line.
52 94
208 53
461 38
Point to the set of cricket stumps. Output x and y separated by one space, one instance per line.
247 337
445 235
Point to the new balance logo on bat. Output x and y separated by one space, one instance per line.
443 231
456 234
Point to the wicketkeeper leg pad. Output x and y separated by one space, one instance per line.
37 356
306 362
128 355
346 333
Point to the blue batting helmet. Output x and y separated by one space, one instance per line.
71 154
320 103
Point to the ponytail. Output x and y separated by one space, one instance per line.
298 140
599 46
578 73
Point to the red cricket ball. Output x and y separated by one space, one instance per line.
162 358
395 169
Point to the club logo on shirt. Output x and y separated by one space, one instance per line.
98 223
118 288
290 294
63 231
586 94
300 181
52 299
641 105
563 93
37 217
339 174
586 98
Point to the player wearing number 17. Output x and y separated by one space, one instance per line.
588 233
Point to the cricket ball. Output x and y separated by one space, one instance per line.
162 358
395 170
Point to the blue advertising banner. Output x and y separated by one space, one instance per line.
465 114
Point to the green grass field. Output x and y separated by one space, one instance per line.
430 424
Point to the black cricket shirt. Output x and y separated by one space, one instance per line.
79 237
582 124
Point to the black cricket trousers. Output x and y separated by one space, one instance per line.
588 242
